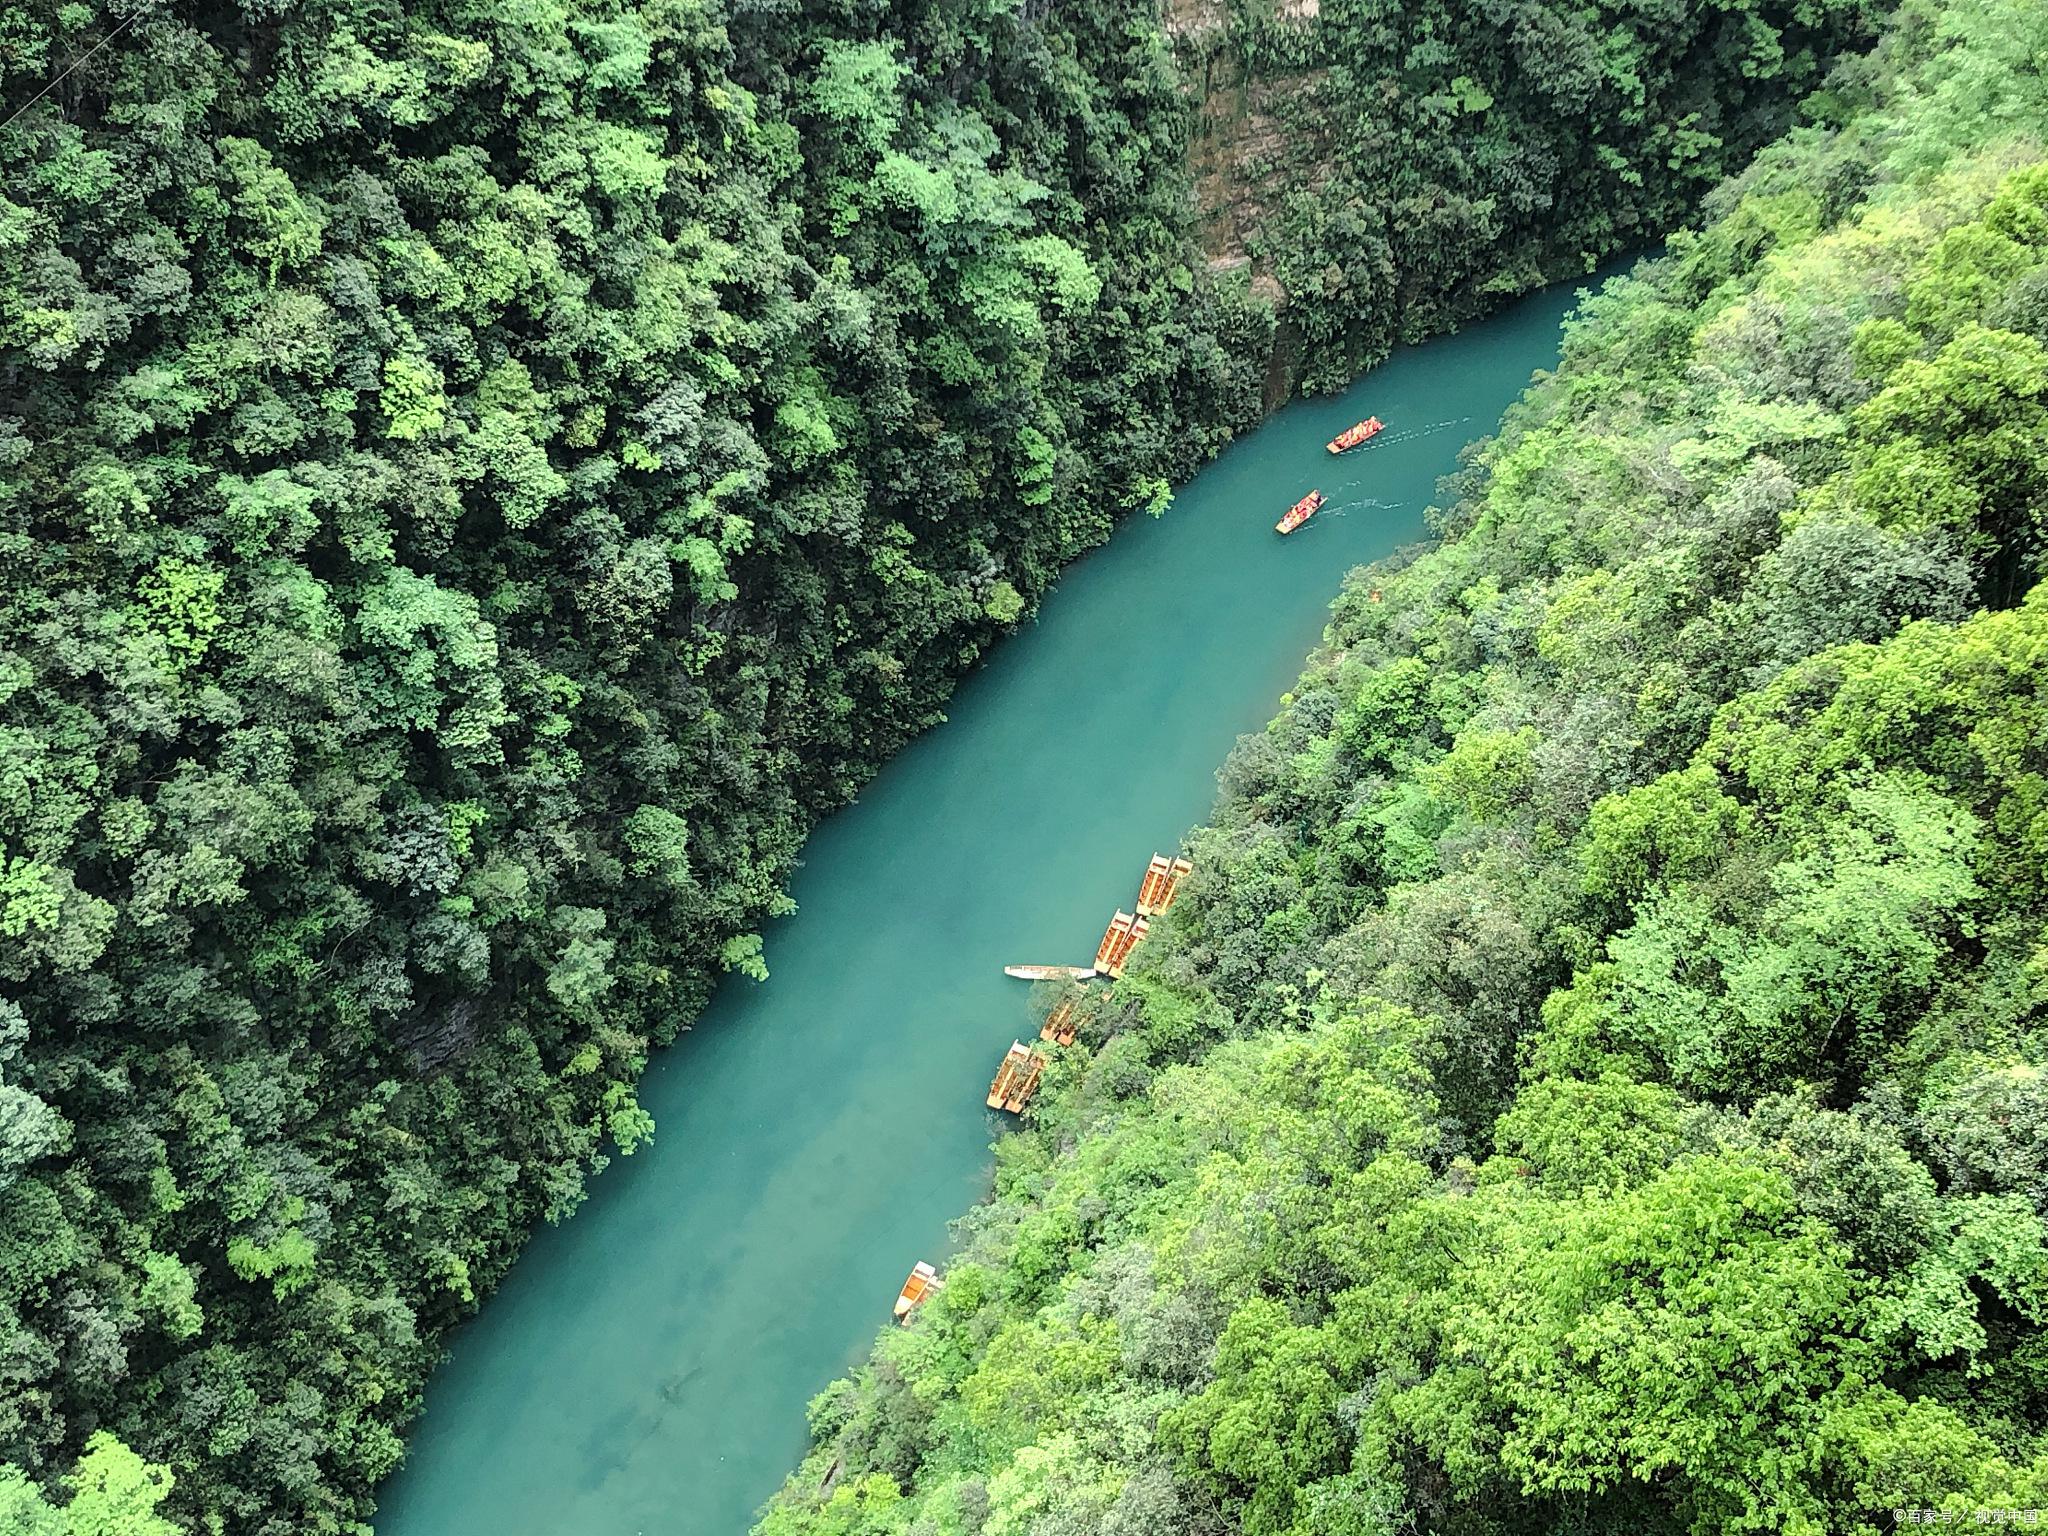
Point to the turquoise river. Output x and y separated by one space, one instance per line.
644 1369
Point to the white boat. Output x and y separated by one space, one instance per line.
1041 972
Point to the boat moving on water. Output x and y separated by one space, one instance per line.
1043 972
1351 437
1300 512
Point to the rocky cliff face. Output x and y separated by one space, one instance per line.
1251 148
1380 171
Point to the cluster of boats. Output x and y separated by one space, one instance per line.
1126 929
1343 442
1023 1066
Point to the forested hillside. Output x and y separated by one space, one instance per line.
1594 1082
476 482
1392 169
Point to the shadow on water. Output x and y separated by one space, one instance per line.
645 1367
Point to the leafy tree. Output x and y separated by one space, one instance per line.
1592 1080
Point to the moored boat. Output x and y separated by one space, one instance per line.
1161 884
1352 436
1016 1079
1044 972
1125 932
923 1284
1060 1026
1300 512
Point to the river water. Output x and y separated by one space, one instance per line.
644 1369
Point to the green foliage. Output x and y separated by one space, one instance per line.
477 484
1595 1081
114 1492
286 1262
474 489
742 953
1675 826
658 840
1416 163
111 1492
415 404
170 1293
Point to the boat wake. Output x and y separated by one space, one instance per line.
1338 509
1427 429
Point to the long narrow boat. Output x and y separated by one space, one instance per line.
1016 1079
923 1284
1025 1084
1351 437
1300 512
1059 1026
1043 972
1161 883
1125 932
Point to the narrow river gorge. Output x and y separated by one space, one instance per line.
645 1367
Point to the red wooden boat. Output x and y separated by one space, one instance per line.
1351 437
1299 513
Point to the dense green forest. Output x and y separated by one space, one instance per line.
1412 164
1594 1082
476 483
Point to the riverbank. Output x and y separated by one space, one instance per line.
1593 1079
646 1366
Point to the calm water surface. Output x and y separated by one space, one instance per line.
644 1369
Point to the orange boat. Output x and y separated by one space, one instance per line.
1126 929
1300 512
1059 1026
1016 1079
1351 437
923 1284
1161 884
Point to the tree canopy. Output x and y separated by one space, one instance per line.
1591 1081
477 482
